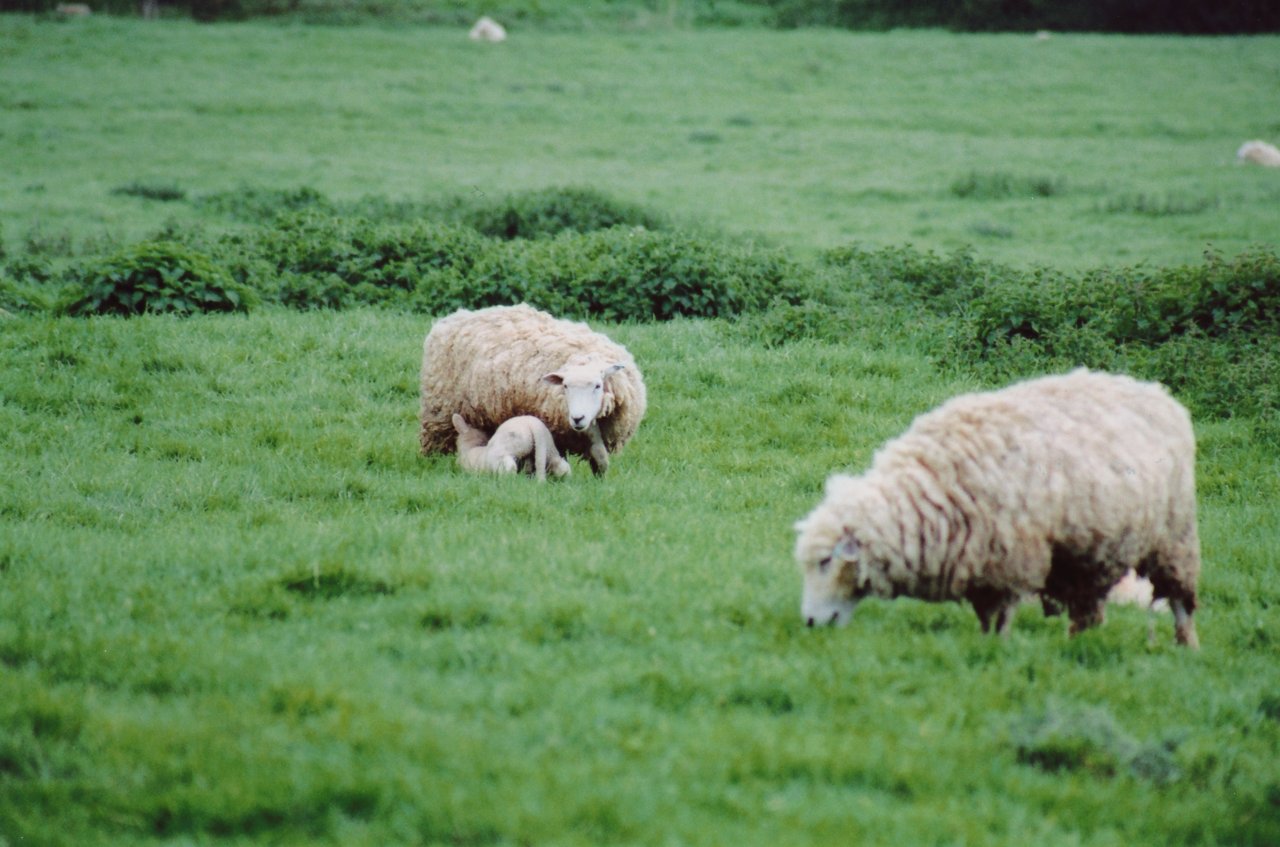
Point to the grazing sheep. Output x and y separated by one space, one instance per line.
73 10
521 444
487 29
1055 486
504 361
1259 153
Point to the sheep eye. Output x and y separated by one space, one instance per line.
823 564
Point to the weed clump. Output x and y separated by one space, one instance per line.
999 185
155 276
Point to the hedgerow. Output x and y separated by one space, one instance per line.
1211 331
539 213
312 260
548 212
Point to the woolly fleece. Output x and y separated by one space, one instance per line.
487 365
1055 486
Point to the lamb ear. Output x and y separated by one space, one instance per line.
460 423
555 378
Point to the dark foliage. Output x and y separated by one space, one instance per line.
154 276
1210 331
1127 16
536 214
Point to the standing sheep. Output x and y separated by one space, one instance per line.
522 443
498 363
1055 486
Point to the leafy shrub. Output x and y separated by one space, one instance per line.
643 275
313 260
154 276
547 212
262 205
26 284
1211 332
15 297
905 276
320 261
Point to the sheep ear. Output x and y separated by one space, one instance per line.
554 378
614 368
459 423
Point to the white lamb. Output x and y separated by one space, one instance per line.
501 362
1259 153
521 444
1056 486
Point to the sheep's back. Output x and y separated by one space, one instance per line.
1101 464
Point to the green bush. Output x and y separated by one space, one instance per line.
312 260
321 261
1211 332
154 276
27 284
637 274
547 212
530 214
262 205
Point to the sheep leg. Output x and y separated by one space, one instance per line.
1004 617
540 459
1085 615
599 455
1184 629
994 609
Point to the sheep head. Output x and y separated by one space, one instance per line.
587 394
833 559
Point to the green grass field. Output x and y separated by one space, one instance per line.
236 607
808 138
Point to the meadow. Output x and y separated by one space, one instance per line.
236 607
1074 152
